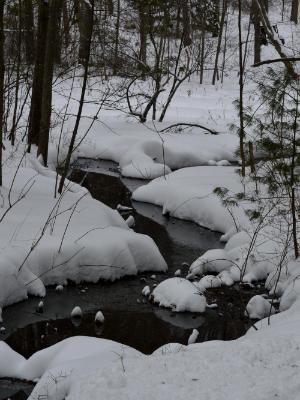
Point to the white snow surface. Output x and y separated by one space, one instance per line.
188 194
180 295
258 308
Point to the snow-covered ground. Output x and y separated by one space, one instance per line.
47 240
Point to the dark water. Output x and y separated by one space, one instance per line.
129 317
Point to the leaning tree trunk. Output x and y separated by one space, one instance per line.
37 85
2 69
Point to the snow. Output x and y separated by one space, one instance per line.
258 308
188 194
193 337
47 240
180 295
146 291
99 317
261 365
76 312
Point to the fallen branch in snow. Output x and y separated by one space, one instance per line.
213 132
276 60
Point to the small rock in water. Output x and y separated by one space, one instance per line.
146 291
194 336
143 279
154 284
185 265
2 330
130 221
76 312
177 272
59 288
40 307
153 276
99 317
138 301
83 290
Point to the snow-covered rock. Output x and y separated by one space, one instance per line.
180 295
258 307
216 260
146 291
193 337
99 317
76 312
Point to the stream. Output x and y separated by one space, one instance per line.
129 317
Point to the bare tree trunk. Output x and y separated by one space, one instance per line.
294 11
84 23
17 85
143 27
202 54
2 70
216 70
29 32
186 23
241 84
117 37
37 85
257 31
53 23
81 102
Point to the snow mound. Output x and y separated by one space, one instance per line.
180 295
188 194
216 260
258 308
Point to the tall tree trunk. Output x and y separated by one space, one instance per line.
186 23
81 102
53 22
117 37
12 135
143 27
216 70
29 31
257 31
2 70
37 85
241 84
85 19
294 11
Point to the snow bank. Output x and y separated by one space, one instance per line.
47 240
188 194
180 295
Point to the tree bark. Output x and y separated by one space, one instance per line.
37 85
216 70
53 22
294 11
2 70
29 38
